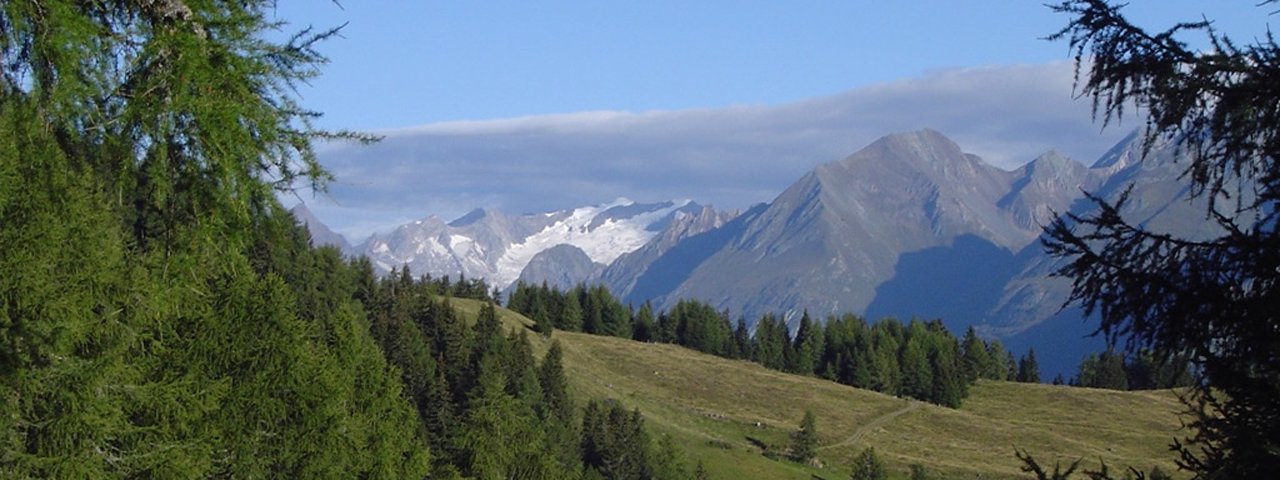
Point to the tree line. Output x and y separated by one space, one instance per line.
919 359
1142 370
477 388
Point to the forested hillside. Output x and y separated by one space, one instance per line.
920 359
164 317
739 419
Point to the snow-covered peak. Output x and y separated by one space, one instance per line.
603 232
491 245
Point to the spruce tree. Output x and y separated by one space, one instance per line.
976 362
917 376
804 442
949 386
156 135
998 368
557 411
645 329
1028 368
868 466
1111 373
668 460
742 337
494 418
570 318
809 345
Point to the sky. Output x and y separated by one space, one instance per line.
535 106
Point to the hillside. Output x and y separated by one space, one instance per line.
712 406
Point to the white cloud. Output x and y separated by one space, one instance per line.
731 157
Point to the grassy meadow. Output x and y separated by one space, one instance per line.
727 413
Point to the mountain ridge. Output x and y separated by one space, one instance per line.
908 226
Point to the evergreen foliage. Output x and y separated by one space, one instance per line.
614 444
922 360
977 363
668 461
1028 368
163 316
998 368
1141 371
868 466
804 442
1212 299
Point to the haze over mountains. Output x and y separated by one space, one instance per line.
908 226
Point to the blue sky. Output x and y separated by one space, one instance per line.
441 68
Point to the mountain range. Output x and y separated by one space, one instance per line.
909 226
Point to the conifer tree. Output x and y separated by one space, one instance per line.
645 326
770 337
868 466
809 345
668 460
614 444
917 376
886 376
1010 367
555 386
976 362
570 318
998 368
523 380
494 418
804 442
949 386
1028 369
557 411
156 134
742 337
1212 296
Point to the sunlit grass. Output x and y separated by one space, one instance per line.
712 406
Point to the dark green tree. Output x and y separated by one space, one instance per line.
742 337
809 344
998 368
868 466
557 410
977 363
1110 373
645 327
804 441
769 339
949 385
1028 368
917 375
614 443
668 461
493 420
1212 299
886 374
162 316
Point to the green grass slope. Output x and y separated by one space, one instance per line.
722 411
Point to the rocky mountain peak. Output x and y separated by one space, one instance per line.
922 150
473 217
320 233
